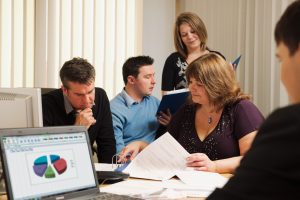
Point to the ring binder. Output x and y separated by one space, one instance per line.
116 174
118 166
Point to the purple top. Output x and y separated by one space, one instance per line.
236 121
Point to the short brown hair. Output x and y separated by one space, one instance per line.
77 70
132 66
196 24
218 78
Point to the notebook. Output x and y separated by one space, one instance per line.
48 163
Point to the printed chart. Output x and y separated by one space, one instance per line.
45 167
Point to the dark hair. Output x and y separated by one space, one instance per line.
196 24
77 70
218 78
288 27
132 65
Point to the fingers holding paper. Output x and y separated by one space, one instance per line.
201 162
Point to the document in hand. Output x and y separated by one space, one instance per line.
159 160
236 62
173 100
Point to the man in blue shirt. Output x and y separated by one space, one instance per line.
134 109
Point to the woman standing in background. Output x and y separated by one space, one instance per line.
190 38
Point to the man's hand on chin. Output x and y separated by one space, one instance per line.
85 118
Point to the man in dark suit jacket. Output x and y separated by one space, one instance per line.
79 102
271 168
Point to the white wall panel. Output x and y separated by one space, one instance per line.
17 43
29 34
99 38
65 36
40 48
5 43
53 52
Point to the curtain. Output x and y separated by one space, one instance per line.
38 36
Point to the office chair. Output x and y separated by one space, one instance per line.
46 90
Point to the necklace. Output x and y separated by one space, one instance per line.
209 120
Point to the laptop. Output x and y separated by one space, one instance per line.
49 163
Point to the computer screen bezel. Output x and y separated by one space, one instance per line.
36 95
37 131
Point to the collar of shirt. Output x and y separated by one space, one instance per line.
128 100
68 106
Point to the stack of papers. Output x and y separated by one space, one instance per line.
162 160
201 185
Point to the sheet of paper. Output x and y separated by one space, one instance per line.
187 190
195 183
159 160
177 91
104 167
145 189
134 187
202 180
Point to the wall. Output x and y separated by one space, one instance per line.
158 22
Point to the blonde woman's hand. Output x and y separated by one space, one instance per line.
201 162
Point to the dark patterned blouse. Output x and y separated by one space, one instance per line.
173 76
236 121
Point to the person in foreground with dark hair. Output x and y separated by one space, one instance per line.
271 168
79 102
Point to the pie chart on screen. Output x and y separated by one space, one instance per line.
49 166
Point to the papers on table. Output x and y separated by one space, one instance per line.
159 160
202 180
174 188
133 187
187 190
104 167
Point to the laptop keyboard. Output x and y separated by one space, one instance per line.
111 196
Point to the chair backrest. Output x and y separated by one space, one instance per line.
46 90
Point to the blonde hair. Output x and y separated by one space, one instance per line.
196 24
218 78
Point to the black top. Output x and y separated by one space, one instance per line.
173 76
271 168
236 121
54 114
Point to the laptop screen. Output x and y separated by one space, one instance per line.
40 165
